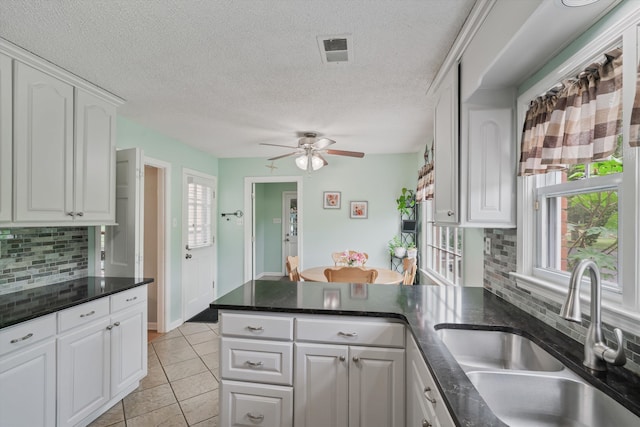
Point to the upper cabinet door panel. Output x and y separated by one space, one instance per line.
95 158
43 146
6 136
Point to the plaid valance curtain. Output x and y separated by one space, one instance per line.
424 190
577 122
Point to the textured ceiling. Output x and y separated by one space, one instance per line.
223 76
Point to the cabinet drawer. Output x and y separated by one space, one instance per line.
23 334
82 314
247 404
126 299
350 331
256 326
259 361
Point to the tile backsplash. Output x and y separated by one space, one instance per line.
34 257
496 279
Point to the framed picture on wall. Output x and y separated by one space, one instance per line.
331 200
359 209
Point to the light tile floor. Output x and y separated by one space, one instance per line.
181 386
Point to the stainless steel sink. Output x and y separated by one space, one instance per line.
475 350
533 400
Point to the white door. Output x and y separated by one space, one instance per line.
290 224
123 248
376 387
198 261
321 386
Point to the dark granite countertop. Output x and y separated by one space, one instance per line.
28 304
425 309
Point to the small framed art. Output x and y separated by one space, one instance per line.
359 209
331 200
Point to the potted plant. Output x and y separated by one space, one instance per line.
412 251
396 248
406 201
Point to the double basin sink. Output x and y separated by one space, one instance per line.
526 386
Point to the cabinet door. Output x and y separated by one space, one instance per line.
43 146
28 386
376 387
6 138
94 159
445 124
321 386
491 182
83 372
128 347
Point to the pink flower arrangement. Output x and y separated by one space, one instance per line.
353 258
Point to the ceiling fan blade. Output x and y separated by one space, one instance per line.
345 153
323 159
279 145
284 155
323 143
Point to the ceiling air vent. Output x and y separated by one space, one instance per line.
336 49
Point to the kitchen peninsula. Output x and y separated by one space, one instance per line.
422 309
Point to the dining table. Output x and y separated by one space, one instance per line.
385 275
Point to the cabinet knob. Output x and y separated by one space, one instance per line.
356 359
342 358
255 418
116 324
110 327
80 214
426 396
71 214
188 256
425 423
450 213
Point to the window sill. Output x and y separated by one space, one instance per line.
612 312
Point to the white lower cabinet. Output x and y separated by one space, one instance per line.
425 406
348 386
100 360
28 385
248 404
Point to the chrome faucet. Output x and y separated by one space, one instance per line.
596 352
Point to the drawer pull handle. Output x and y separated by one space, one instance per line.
91 313
348 334
426 423
131 299
255 418
255 328
254 364
426 396
26 337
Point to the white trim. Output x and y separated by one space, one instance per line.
249 181
436 278
612 313
164 285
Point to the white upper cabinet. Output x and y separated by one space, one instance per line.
95 149
43 146
62 144
6 134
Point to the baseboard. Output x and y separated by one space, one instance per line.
270 273
152 326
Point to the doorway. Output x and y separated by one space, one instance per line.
264 223
289 224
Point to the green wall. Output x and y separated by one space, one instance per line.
377 179
160 147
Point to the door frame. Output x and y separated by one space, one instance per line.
164 285
249 223
183 227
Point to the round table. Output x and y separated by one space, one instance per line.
385 276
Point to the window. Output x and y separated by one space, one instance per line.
442 248
577 218
590 210
199 204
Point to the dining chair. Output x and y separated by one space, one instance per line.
351 275
292 268
410 267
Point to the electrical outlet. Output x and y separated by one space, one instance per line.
487 246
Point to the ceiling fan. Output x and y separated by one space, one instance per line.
310 151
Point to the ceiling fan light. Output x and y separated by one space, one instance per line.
316 163
302 162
